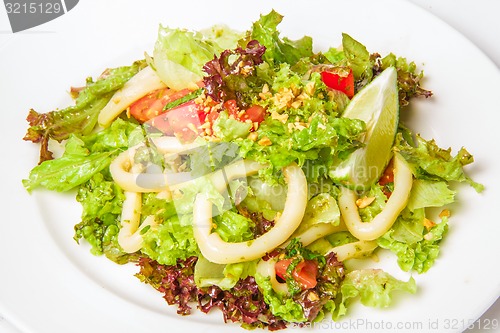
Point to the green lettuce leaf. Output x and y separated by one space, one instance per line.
334 55
429 161
358 58
325 244
184 203
171 240
179 54
68 171
279 50
322 208
207 273
222 35
82 117
425 193
233 227
230 129
415 247
371 211
280 305
211 156
101 200
82 158
374 288
326 138
261 196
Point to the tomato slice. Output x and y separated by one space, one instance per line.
153 103
341 79
305 273
231 108
255 113
387 178
281 266
183 121
388 175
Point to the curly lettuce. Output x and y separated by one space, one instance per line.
416 246
80 118
279 50
102 200
429 161
179 54
373 287
83 157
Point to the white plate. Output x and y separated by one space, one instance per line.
49 284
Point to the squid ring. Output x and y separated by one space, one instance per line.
123 173
218 251
403 180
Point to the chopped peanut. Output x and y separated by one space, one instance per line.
265 89
428 223
295 89
303 96
253 136
445 213
300 125
265 141
281 117
283 98
312 296
296 104
208 131
309 89
364 202
206 125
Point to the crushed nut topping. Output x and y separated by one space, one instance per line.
364 202
281 117
428 224
265 141
445 213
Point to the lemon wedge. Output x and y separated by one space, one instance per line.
377 105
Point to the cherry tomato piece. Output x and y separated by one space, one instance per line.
341 80
153 103
305 273
255 113
182 121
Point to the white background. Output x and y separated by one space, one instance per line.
478 20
